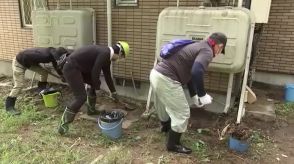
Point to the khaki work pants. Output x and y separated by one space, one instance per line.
170 101
19 74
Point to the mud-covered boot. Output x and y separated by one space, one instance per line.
174 144
165 126
91 102
67 118
10 106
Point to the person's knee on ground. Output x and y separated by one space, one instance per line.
10 106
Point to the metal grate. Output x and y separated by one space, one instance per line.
26 7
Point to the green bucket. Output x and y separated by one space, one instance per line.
51 99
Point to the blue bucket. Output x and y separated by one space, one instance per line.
237 145
112 130
289 92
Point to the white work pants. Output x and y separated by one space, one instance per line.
170 101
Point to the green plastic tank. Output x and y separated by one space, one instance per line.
66 28
198 23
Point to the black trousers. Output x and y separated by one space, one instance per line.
74 78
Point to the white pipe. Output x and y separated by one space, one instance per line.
94 26
109 36
240 2
229 93
178 3
109 27
241 109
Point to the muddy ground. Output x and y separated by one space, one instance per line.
33 138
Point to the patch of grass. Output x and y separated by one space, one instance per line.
117 154
39 149
285 109
259 145
14 123
198 147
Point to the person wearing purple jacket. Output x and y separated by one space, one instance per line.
185 67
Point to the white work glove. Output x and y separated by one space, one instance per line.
201 101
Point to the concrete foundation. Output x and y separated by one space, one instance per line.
273 78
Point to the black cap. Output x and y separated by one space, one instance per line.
219 38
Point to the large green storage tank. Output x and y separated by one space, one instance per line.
66 28
198 23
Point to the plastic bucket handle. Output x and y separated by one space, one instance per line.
108 128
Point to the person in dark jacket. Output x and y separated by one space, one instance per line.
185 67
31 59
84 66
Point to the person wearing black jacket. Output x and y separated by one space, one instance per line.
84 66
30 59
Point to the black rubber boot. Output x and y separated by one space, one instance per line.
174 144
165 126
9 106
42 85
91 102
67 118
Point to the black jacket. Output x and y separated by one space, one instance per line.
35 56
90 60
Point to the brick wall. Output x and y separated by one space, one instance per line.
276 46
137 25
13 38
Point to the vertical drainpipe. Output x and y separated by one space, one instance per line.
178 3
240 2
109 35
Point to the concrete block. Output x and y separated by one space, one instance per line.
264 112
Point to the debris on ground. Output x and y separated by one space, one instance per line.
240 132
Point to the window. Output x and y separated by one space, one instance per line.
26 7
126 3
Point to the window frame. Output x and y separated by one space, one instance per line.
23 15
126 3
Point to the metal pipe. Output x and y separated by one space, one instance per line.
109 36
178 3
109 27
94 27
70 4
241 110
229 93
240 2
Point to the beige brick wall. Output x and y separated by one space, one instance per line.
137 25
13 38
276 46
